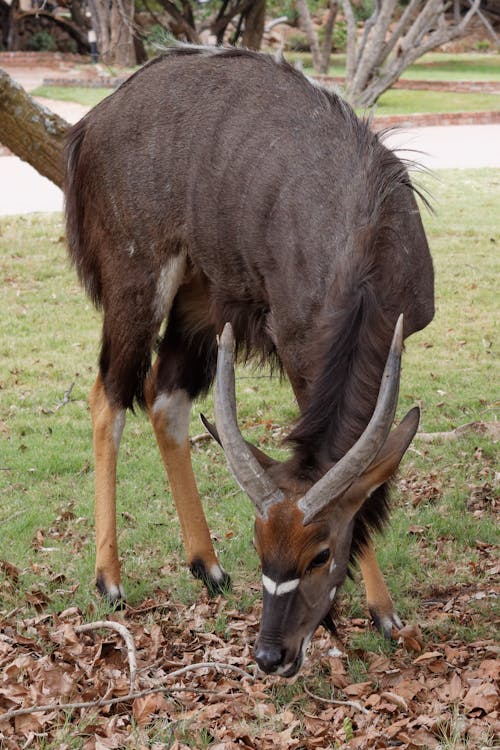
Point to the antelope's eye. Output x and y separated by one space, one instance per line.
320 559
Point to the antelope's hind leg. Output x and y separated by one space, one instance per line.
378 598
125 358
107 423
185 367
133 311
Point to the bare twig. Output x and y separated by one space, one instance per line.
489 429
66 397
66 400
352 704
127 637
130 696
200 438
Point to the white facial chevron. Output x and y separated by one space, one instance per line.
278 589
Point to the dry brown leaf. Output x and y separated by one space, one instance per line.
315 725
358 689
455 688
419 738
10 570
428 656
408 689
410 636
396 727
490 669
398 700
143 708
484 697
55 681
28 723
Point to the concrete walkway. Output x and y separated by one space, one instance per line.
451 146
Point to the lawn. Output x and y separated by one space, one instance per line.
404 101
438 554
434 66
84 95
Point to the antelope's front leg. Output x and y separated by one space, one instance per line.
107 423
379 600
169 413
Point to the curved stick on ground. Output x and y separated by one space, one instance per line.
352 704
127 637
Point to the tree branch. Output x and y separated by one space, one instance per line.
31 131
127 637
125 698
174 12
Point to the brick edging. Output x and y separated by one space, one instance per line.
96 82
435 118
14 59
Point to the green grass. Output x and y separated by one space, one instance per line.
84 95
439 66
434 66
405 101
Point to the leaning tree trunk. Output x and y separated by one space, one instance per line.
31 131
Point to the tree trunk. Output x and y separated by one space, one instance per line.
254 25
179 23
113 24
31 131
390 44
326 47
311 35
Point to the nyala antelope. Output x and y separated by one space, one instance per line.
220 186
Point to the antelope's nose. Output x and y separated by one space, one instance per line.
269 656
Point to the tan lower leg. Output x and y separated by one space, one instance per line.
107 425
377 594
170 417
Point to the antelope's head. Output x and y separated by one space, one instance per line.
303 531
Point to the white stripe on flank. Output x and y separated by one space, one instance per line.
278 589
332 593
169 281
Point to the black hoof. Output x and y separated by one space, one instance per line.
216 580
385 623
114 595
329 624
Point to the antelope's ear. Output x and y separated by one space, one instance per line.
264 460
384 465
211 428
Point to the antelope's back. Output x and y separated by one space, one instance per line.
263 176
